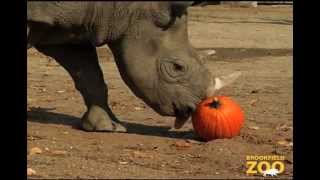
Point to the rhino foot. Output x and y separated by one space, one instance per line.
97 119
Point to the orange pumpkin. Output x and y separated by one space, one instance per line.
217 117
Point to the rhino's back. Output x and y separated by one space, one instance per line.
61 22
58 13
81 21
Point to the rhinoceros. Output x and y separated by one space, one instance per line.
150 45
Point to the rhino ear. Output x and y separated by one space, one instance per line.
179 7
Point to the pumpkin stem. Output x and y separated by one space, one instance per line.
215 103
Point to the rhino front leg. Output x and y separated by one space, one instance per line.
82 64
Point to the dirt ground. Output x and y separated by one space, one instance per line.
256 41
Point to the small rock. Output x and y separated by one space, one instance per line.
217 173
182 144
59 152
193 141
113 104
61 91
283 127
254 91
211 52
253 102
31 172
282 142
138 108
254 127
35 150
139 154
46 149
285 143
123 162
194 156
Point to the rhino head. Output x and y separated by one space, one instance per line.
157 62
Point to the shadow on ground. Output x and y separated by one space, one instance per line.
41 115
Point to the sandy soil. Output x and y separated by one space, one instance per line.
256 41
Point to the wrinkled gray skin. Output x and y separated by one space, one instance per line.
149 41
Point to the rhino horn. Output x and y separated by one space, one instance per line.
220 82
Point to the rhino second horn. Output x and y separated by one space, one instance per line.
220 82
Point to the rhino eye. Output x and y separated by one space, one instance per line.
178 67
172 70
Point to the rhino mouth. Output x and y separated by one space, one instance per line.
182 115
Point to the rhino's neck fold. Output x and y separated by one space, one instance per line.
137 71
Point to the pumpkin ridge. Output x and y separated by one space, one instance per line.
213 125
228 113
238 120
204 126
218 132
227 124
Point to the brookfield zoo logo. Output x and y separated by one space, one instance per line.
265 165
